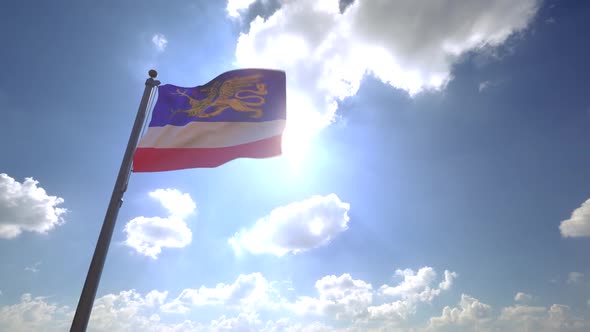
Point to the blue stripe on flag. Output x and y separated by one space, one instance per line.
244 95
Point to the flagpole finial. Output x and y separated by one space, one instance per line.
153 73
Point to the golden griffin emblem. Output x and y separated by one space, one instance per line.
241 94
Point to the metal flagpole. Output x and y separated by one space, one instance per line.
86 301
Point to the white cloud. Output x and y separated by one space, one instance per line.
234 7
251 303
130 311
347 299
248 292
33 268
148 235
528 318
340 297
473 315
412 283
127 311
484 85
242 322
469 313
579 223
25 207
160 42
523 297
289 325
179 205
448 280
418 286
415 288
522 312
408 44
294 228
574 277
33 314
155 298
398 311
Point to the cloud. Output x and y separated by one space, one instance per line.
418 286
25 207
579 223
160 42
469 313
242 322
484 85
148 235
252 303
131 311
397 311
294 228
556 318
290 325
33 268
234 7
523 297
340 297
127 311
574 277
415 288
353 300
522 312
155 298
33 314
410 45
473 315
179 205
248 292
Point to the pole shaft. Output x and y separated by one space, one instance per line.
86 301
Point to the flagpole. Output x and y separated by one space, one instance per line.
86 301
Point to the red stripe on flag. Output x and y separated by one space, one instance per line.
157 160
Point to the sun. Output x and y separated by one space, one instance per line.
303 125
296 144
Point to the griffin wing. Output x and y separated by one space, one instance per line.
233 85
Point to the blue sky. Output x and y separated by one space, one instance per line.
438 148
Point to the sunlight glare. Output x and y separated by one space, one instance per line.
303 125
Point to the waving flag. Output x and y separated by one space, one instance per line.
239 114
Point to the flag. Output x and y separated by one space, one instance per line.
239 114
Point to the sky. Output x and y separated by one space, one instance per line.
434 174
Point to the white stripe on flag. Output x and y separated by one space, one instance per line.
210 134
